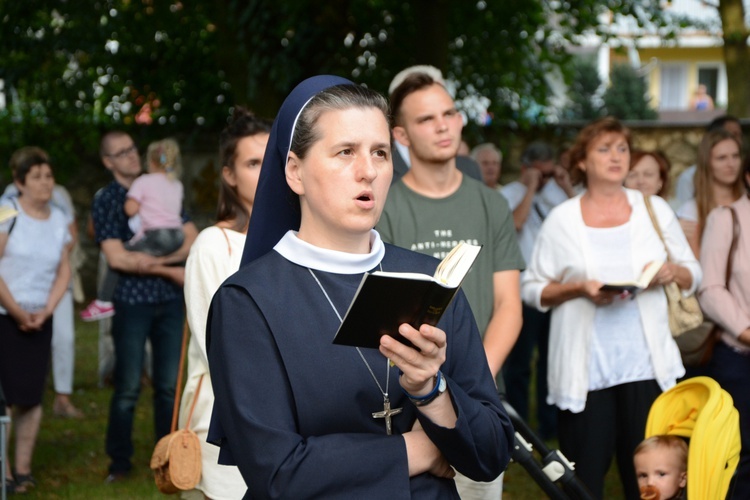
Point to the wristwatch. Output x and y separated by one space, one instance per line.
440 387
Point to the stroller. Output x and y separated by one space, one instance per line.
700 410
549 469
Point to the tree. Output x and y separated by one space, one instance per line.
73 68
500 50
735 34
582 92
256 51
626 98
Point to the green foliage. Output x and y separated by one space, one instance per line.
584 103
626 97
500 50
78 68
74 69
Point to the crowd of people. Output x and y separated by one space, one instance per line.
311 202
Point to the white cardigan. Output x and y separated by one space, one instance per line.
562 254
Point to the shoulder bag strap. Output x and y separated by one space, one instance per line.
13 222
733 246
176 410
650 209
226 237
715 333
195 400
178 389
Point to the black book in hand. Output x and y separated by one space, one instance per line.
634 287
385 300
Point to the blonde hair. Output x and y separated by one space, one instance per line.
165 154
674 443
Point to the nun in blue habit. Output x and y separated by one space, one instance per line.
300 416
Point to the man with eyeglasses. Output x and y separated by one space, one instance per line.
148 303
544 184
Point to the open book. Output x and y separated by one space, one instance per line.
385 300
7 212
635 286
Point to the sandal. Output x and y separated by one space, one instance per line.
24 481
12 488
67 411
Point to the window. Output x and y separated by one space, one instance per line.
673 92
710 78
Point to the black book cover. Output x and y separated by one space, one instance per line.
383 303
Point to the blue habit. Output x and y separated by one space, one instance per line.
294 411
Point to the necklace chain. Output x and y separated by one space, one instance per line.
369 368
387 412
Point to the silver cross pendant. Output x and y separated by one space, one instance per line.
387 413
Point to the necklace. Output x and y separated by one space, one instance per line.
387 412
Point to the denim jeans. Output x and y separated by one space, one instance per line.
131 326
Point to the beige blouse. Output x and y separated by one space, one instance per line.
729 308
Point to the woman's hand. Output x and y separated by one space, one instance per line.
672 273
418 367
23 319
38 318
592 291
665 275
423 456
745 337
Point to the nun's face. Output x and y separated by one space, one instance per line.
344 178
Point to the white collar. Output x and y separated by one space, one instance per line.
304 254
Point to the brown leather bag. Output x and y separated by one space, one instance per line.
176 460
695 335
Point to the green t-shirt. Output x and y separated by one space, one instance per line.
475 214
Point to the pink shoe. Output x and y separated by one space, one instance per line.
97 310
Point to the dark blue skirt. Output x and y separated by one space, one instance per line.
24 362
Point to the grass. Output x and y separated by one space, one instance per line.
70 462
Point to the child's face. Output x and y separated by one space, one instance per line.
661 468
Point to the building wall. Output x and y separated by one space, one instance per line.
691 59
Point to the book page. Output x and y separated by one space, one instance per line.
643 280
408 276
649 272
456 265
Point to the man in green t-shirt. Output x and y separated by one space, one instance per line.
434 206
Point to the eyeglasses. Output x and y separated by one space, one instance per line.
124 152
